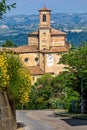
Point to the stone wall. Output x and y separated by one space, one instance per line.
7 114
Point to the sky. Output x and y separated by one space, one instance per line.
29 7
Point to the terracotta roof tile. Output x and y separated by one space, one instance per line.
34 48
56 49
53 32
35 70
44 9
56 32
2 49
23 49
35 33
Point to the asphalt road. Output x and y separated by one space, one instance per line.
46 120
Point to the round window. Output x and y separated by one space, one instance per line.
36 59
26 59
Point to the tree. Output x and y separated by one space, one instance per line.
9 43
25 86
4 7
58 86
14 78
75 62
63 92
76 68
41 93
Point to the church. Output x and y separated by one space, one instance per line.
44 49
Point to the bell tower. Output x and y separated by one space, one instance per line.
44 28
44 17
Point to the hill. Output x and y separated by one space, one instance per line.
17 27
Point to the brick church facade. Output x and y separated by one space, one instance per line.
44 49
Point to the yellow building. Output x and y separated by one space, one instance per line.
44 48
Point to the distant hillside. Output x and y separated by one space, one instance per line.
76 38
17 27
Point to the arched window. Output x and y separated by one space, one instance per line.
44 17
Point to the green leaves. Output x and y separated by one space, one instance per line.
41 93
76 66
9 43
4 7
14 78
13 5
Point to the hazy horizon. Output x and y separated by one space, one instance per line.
29 7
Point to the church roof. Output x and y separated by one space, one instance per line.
58 49
3 49
34 49
56 32
25 49
52 32
36 33
35 70
44 9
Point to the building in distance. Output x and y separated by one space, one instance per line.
44 49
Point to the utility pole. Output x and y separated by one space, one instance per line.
82 101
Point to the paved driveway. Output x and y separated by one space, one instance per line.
45 120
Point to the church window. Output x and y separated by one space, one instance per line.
44 17
26 59
44 33
36 59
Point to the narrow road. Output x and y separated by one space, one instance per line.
32 122
45 120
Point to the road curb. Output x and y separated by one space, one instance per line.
69 115
20 129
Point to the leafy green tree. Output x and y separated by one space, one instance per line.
62 89
4 7
14 78
71 100
58 86
9 43
67 85
41 93
76 67
44 80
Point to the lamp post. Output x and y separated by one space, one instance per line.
82 102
